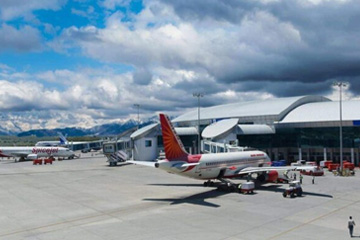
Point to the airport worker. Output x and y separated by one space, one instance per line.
301 178
239 187
294 176
313 180
351 225
286 173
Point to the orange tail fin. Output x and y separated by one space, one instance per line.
174 149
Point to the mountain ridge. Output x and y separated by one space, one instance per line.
107 129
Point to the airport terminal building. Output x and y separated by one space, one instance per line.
293 128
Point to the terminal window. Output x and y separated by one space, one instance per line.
148 143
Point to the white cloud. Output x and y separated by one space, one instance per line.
345 93
163 40
91 97
112 4
262 48
11 9
266 43
23 95
317 2
5 67
23 39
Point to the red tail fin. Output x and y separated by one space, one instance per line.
174 149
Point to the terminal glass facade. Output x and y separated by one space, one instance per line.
314 143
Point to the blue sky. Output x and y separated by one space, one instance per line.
50 23
86 62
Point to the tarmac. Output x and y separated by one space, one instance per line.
87 199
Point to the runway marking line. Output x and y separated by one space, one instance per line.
312 220
109 213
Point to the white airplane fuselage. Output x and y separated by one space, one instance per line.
49 144
38 151
210 166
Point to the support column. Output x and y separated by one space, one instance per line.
286 155
300 154
332 155
352 156
325 154
276 154
308 154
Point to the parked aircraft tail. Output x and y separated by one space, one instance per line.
63 139
174 149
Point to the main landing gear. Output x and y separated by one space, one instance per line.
209 183
225 185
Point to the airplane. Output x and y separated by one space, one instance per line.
62 142
83 146
213 166
35 152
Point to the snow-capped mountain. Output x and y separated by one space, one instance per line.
113 128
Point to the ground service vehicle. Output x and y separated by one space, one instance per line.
247 187
316 171
294 190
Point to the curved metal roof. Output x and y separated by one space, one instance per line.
324 112
253 129
181 131
143 131
218 128
263 111
184 131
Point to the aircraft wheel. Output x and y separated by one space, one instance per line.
231 188
284 194
300 192
205 184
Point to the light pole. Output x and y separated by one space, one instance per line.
138 118
340 85
198 95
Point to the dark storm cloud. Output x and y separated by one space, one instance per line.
207 86
142 76
328 46
221 10
286 89
23 39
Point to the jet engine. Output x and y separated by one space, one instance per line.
31 156
270 176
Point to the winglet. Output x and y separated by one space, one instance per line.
174 149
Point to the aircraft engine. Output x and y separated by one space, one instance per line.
31 156
270 176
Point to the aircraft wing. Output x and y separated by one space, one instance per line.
19 154
189 164
143 163
152 164
248 170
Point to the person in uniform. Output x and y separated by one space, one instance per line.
351 225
